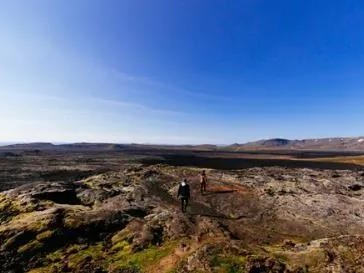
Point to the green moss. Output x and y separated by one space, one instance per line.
75 255
121 246
75 219
228 263
121 257
45 235
282 257
40 270
140 260
92 252
35 222
122 235
73 252
7 210
312 259
55 256
10 207
31 246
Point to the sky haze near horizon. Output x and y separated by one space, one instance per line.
180 72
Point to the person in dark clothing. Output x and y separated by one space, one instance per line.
184 194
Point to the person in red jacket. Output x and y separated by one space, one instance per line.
184 194
203 182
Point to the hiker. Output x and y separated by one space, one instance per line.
184 194
203 181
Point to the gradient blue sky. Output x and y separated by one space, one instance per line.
180 71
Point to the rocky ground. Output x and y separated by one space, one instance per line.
23 167
270 219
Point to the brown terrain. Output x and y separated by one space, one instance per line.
116 210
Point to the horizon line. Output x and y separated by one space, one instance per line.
6 143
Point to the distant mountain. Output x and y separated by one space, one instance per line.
319 144
84 146
30 146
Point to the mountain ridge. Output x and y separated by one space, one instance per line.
318 144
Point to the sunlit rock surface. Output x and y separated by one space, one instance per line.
269 219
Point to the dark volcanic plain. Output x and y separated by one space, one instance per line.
25 164
109 208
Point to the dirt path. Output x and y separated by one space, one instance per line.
217 185
205 204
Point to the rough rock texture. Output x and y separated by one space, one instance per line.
255 220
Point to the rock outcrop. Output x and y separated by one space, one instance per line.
255 220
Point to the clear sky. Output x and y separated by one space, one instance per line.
180 71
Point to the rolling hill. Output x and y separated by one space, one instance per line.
318 144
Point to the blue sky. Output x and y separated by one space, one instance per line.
180 71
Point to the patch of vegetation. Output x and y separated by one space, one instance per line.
30 247
92 252
120 257
311 259
228 263
139 260
45 235
72 258
7 209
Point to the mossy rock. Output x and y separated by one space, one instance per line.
7 210
141 260
45 235
30 247
229 263
123 235
121 246
17 240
